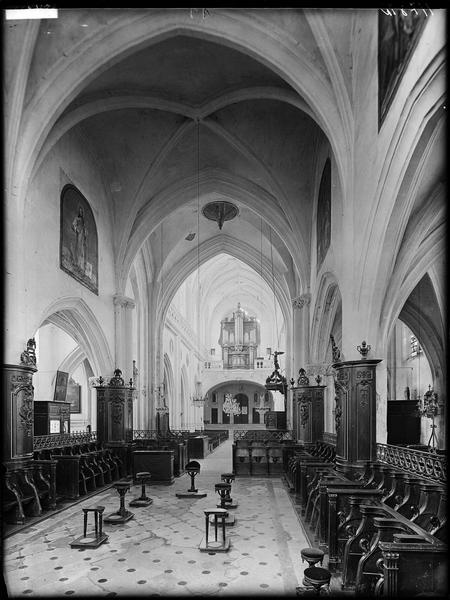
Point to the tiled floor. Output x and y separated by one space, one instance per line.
157 552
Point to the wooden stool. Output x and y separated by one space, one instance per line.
192 469
228 478
219 514
91 541
316 577
143 477
223 489
122 514
312 556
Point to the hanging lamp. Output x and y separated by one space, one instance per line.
197 399
276 382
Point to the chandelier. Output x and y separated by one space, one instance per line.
231 406
220 212
198 399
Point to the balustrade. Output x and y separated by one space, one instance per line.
427 464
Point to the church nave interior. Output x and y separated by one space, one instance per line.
225 254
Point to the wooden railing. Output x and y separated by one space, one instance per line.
427 464
262 435
55 440
154 434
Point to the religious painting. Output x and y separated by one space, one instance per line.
78 239
60 386
398 33
73 395
323 229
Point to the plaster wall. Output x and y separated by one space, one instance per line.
70 161
52 347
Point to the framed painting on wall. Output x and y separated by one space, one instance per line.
323 231
78 238
398 34
74 395
60 386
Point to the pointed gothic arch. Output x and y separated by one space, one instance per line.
74 316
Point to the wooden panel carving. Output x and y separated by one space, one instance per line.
115 413
355 413
308 413
18 419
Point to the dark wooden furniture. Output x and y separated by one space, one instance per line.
355 385
79 466
91 541
219 515
403 422
316 577
275 419
308 413
17 411
157 462
51 417
143 499
122 515
115 417
198 446
312 556
115 412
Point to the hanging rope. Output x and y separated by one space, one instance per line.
162 264
198 245
261 248
273 289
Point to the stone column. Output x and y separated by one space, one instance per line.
300 344
123 323
355 414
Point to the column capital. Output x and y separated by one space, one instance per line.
123 301
301 301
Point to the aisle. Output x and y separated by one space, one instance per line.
156 553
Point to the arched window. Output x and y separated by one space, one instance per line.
323 224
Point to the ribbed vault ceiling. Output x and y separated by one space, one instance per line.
187 121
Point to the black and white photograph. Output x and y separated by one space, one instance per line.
78 233
225 307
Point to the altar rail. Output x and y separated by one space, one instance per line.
262 435
57 440
426 464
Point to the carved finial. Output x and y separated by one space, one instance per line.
302 378
117 379
363 349
28 356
